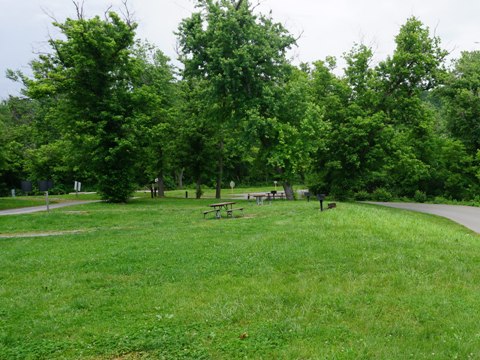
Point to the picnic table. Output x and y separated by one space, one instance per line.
269 196
218 207
259 198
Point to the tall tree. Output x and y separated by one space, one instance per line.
461 95
416 67
155 97
89 73
239 54
291 132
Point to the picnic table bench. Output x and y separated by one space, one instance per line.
268 195
218 207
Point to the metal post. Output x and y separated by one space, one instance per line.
46 199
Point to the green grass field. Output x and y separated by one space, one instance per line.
153 279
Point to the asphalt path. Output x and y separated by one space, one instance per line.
468 216
32 209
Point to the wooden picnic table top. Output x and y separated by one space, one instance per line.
222 204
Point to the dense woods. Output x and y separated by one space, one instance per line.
113 112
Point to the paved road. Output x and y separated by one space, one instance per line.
28 210
468 216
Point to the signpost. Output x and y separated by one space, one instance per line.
45 185
275 183
232 185
77 185
320 198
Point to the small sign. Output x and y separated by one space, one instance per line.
45 185
77 186
232 184
26 186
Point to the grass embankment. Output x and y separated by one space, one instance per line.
153 279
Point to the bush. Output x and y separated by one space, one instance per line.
381 194
420 196
318 188
362 196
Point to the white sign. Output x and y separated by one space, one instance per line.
232 184
77 186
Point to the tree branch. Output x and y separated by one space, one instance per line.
79 8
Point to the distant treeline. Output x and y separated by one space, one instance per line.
112 112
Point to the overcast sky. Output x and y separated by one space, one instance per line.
326 27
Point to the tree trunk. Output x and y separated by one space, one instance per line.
198 190
218 191
179 175
287 187
161 185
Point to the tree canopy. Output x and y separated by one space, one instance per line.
111 110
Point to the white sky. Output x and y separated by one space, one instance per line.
326 27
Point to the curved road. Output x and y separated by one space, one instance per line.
468 216
28 210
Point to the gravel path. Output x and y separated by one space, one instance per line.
468 216
28 210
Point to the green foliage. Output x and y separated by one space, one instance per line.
362 195
420 196
381 194
462 103
239 57
111 112
90 73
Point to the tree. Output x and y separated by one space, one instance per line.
88 77
20 134
461 96
196 145
155 100
415 68
291 131
240 54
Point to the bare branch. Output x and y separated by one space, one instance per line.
105 14
299 36
238 4
126 13
79 8
49 14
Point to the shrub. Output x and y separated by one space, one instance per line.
362 196
420 196
381 194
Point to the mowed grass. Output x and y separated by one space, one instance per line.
153 279
22 201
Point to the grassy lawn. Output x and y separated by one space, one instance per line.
27 201
22 201
153 279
